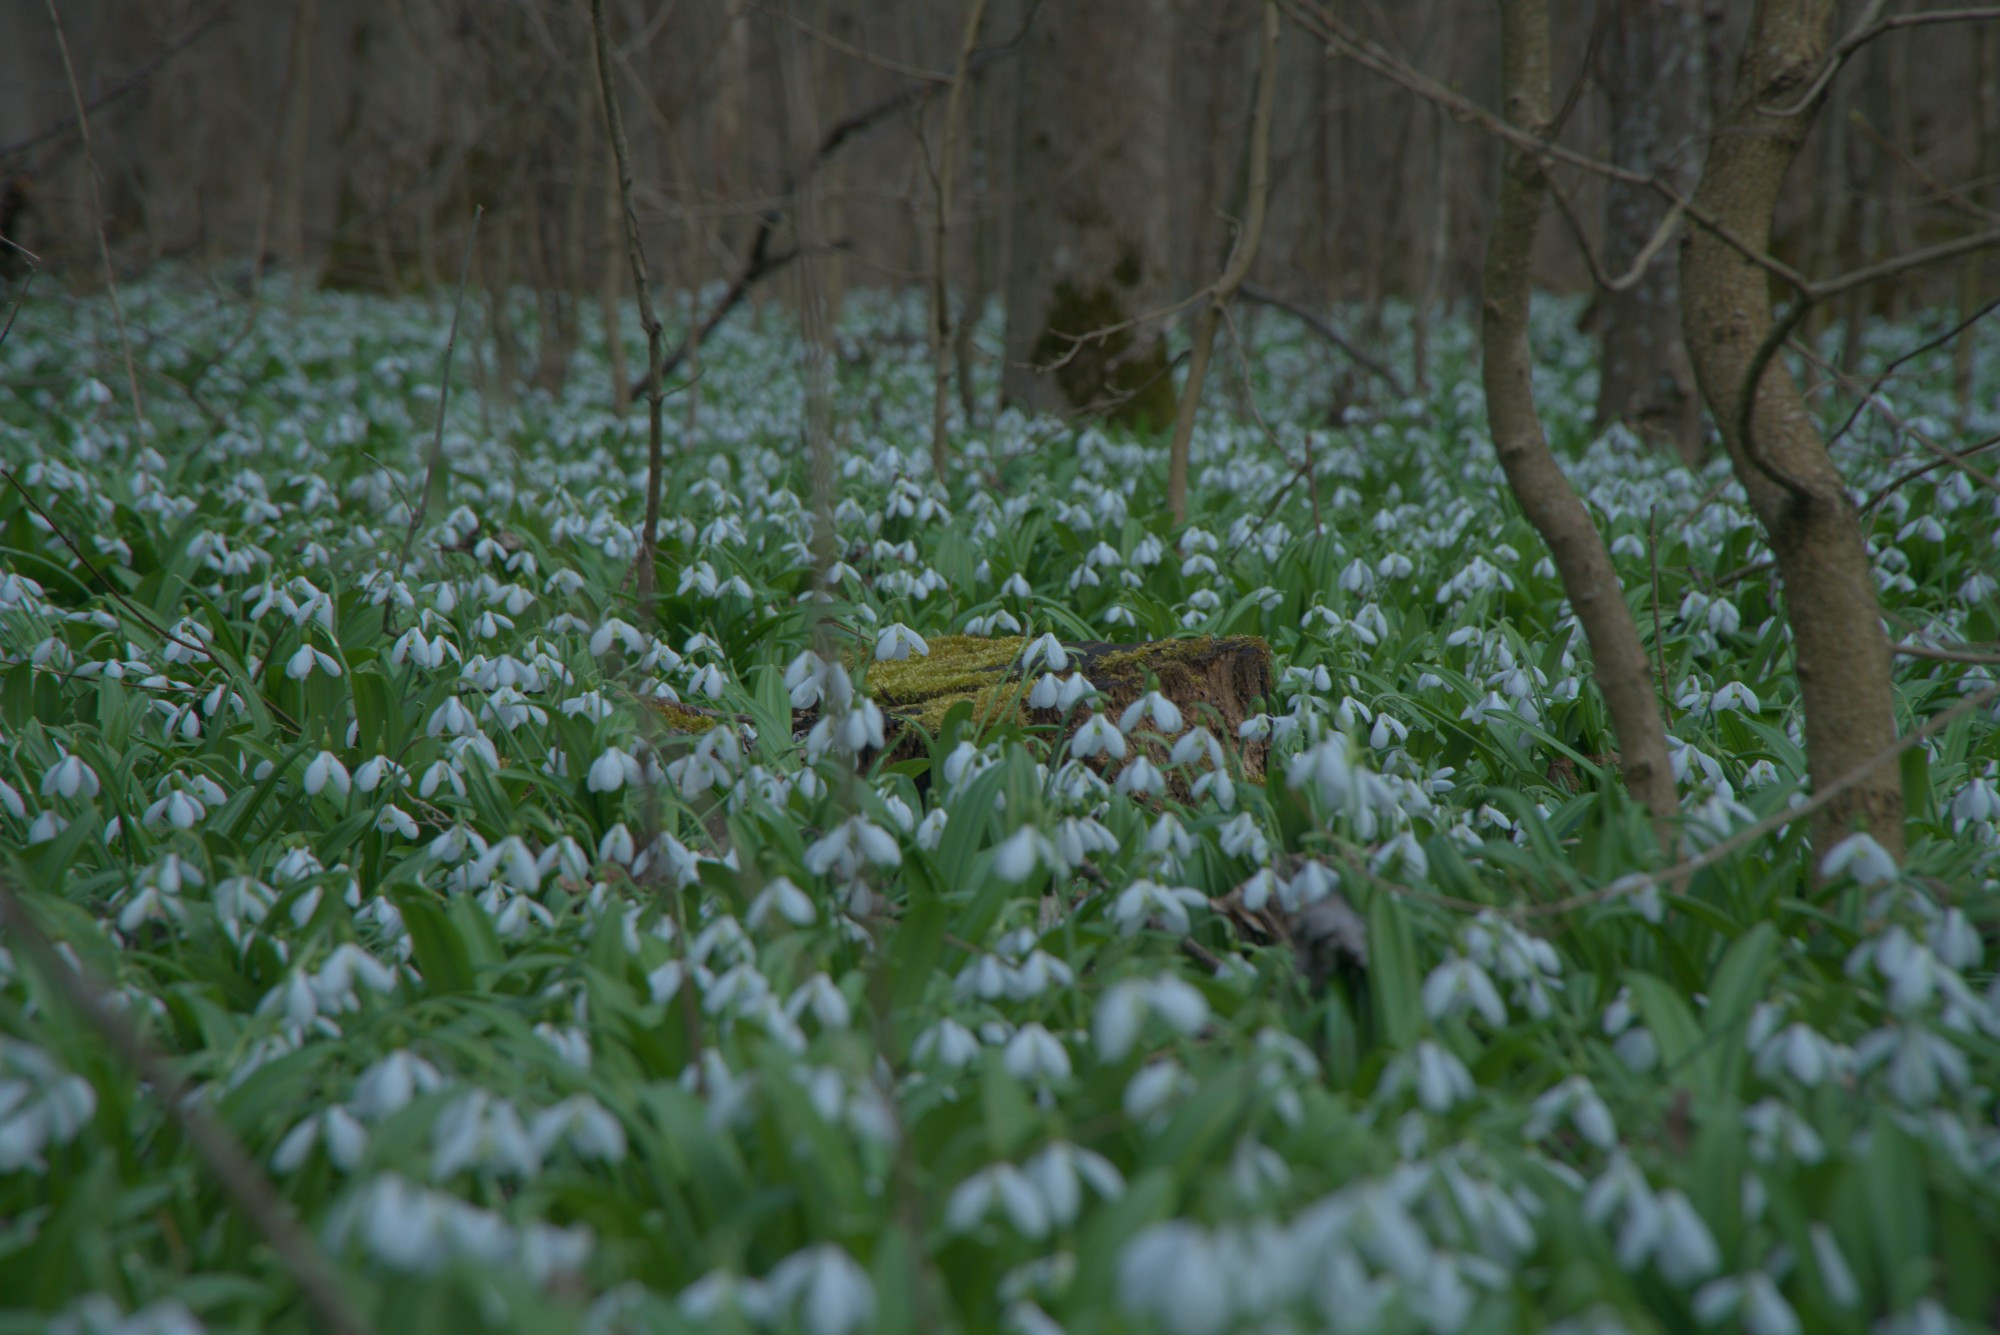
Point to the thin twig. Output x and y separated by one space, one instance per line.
1323 328
1627 886
1889 371
1242 253
434 467
1950 458
130 84
1871 26
97 217
1659 634
233 1168
635 256
19 298
1940 192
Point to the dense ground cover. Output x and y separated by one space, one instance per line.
544 1015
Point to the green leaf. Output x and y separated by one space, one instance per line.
1394 986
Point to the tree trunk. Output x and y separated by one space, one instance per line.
1658 100
1841 652
1976 268
1545 496
1090 241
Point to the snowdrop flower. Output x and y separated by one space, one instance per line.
1006 1186
1152 1086
1173 1273
781 897
1458 985
324 771
1836 1279
1017 856
1143 900
1034 1055
388 1086
616 632
1097 737
478 1130
1860 857
613 770
69 777
1441 1078
832 1293
1046 650
301 664
898 641
930 830
947 1042
451 719
1123 1009
1586 1111
177 809
1735 696
1061 1170
346 1142
843 849
581 1123
1165 715
1141 778
1686 1252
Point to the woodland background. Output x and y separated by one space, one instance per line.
350 140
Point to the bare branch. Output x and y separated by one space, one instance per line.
635 256
1243 252
97 217
1940 192
1890 370
1266 297
848 49
1909 650
1641 262
1871 26
434 467
130 84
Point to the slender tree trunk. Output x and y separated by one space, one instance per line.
635 256
298 141
611 298
1242 254
1841 651
1974 277
1658 99
1544 494
1089 250
941 244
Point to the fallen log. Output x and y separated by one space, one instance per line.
1215 681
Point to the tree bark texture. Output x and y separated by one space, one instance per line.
1090 227
1545 496
1659 102
1841 651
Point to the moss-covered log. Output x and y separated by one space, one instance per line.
1215 681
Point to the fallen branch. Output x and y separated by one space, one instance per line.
219 1150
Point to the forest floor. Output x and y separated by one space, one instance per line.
565 964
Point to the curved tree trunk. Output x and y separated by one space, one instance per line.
1815 534
1089 246
1544 494
1659 104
